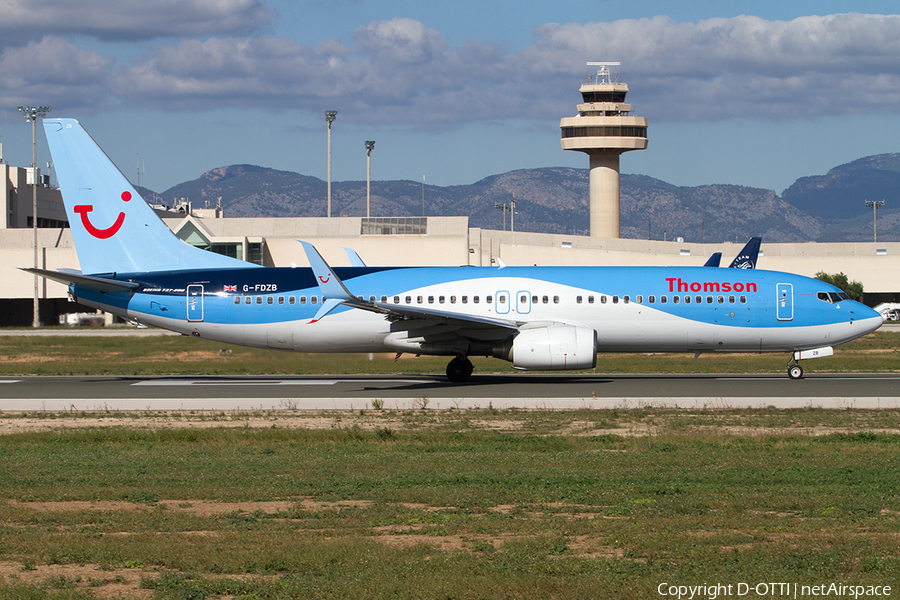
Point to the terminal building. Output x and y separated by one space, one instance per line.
603 129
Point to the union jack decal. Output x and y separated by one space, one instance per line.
229 288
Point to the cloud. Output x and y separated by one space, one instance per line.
403 41
400 71
54 68
397 72
266 73
742 66
128 20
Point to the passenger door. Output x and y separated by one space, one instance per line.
784 309
195 303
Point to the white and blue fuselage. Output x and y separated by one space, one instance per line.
632 309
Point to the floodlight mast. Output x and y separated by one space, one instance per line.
31 114
874 205
330 116
370 145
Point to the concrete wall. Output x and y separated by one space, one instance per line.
446 242
451 242
56 251
17 198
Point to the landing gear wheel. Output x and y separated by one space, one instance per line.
459 369
795 371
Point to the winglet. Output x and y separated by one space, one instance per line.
331 285
355 260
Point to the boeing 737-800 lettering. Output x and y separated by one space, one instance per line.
538 318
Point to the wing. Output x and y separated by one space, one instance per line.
338 295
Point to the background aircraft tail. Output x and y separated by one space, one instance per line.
714 260
114 230
748 255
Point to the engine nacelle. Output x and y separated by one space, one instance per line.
554 347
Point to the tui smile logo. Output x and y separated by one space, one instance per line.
102 234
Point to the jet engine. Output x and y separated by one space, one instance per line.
554 347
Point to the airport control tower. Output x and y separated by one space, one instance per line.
604 130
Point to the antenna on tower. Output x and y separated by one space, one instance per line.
603 75
140 170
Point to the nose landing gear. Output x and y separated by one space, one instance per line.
795 371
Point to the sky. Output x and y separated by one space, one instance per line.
747 93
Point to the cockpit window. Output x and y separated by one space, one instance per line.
832 297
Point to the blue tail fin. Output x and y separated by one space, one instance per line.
748 255
114 230
714 260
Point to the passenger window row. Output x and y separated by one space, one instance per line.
281 299
639 299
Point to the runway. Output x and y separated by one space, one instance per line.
524 391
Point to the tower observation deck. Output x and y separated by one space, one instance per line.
604 130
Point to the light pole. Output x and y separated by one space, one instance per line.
330 116
874 206
370 145
31 114
505 208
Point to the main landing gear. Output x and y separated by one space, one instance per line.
459 369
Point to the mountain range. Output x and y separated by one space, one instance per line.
822 208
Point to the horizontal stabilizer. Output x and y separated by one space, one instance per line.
97 284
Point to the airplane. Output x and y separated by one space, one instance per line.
714 259
746 258
537 318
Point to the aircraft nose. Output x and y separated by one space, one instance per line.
867 318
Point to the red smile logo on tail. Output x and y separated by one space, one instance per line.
84 209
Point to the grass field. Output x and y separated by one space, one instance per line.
440 504
453 504
59 355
